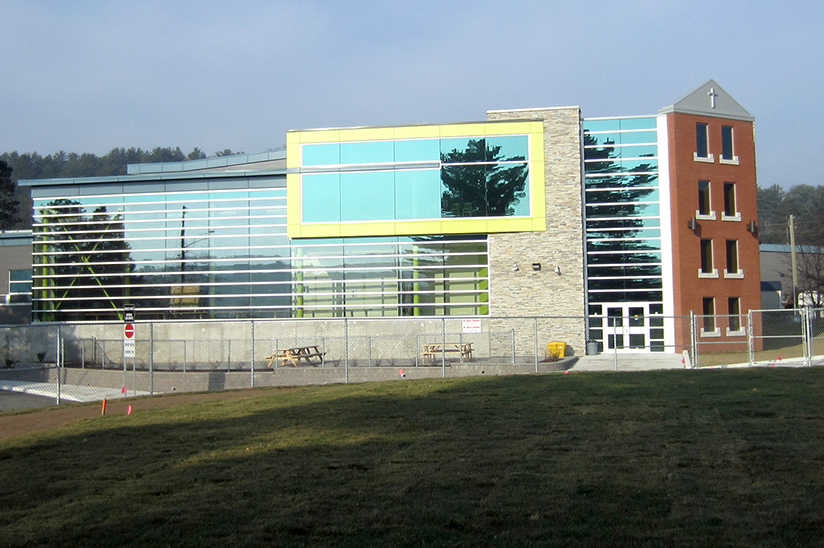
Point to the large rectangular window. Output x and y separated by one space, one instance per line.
701 140
623 220
415 180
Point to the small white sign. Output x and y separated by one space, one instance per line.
472 325
128 348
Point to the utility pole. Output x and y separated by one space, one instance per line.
791 225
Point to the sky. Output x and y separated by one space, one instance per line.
92 75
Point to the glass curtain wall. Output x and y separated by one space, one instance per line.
623 233
225 254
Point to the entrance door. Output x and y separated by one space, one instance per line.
627 328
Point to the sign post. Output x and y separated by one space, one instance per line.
128 340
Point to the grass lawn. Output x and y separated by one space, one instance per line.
669 458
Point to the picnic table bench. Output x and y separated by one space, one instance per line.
432 351
296 355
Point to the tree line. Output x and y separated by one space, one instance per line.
804 202
775 204
15 202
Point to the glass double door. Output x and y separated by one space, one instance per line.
627 328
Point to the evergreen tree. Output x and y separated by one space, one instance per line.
9 205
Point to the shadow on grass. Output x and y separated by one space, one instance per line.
622 459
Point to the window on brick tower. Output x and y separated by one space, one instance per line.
727 150
734 310
732 256
706 256
704 204
708 312
701 140
730 207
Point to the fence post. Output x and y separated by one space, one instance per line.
807 336
443 348
151 359
693 341
346 347
750 339
252 356
535 341
57 363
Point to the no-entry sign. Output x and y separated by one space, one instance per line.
128 331
128 340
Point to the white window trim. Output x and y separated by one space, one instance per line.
735 275
710 159
733 162
713 274
708 217
737 333
736 217
714 333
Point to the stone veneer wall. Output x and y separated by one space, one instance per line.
526 292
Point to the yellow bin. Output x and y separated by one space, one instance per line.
556 349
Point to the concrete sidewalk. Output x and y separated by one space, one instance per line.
68 392
629 362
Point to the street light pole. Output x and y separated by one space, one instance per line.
791 224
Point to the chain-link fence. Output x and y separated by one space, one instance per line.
92 361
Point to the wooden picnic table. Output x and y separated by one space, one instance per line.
296 355
433 350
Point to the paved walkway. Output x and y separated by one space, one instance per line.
629 362
69 392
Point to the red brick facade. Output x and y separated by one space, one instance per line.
685 171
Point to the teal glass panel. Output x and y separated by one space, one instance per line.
463 150
20 275
367 196
623 210
613 165
623 245
632 270
622 195
612 181
485 191
625 296
635 151
618 138
625 283
417 150
320 154
321 197
367 152
463 191
624 258
648 233
418 194
507 148
638 123
512 186
602 125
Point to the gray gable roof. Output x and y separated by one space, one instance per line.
709 99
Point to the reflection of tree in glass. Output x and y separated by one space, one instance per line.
624 190
476 184
88 258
